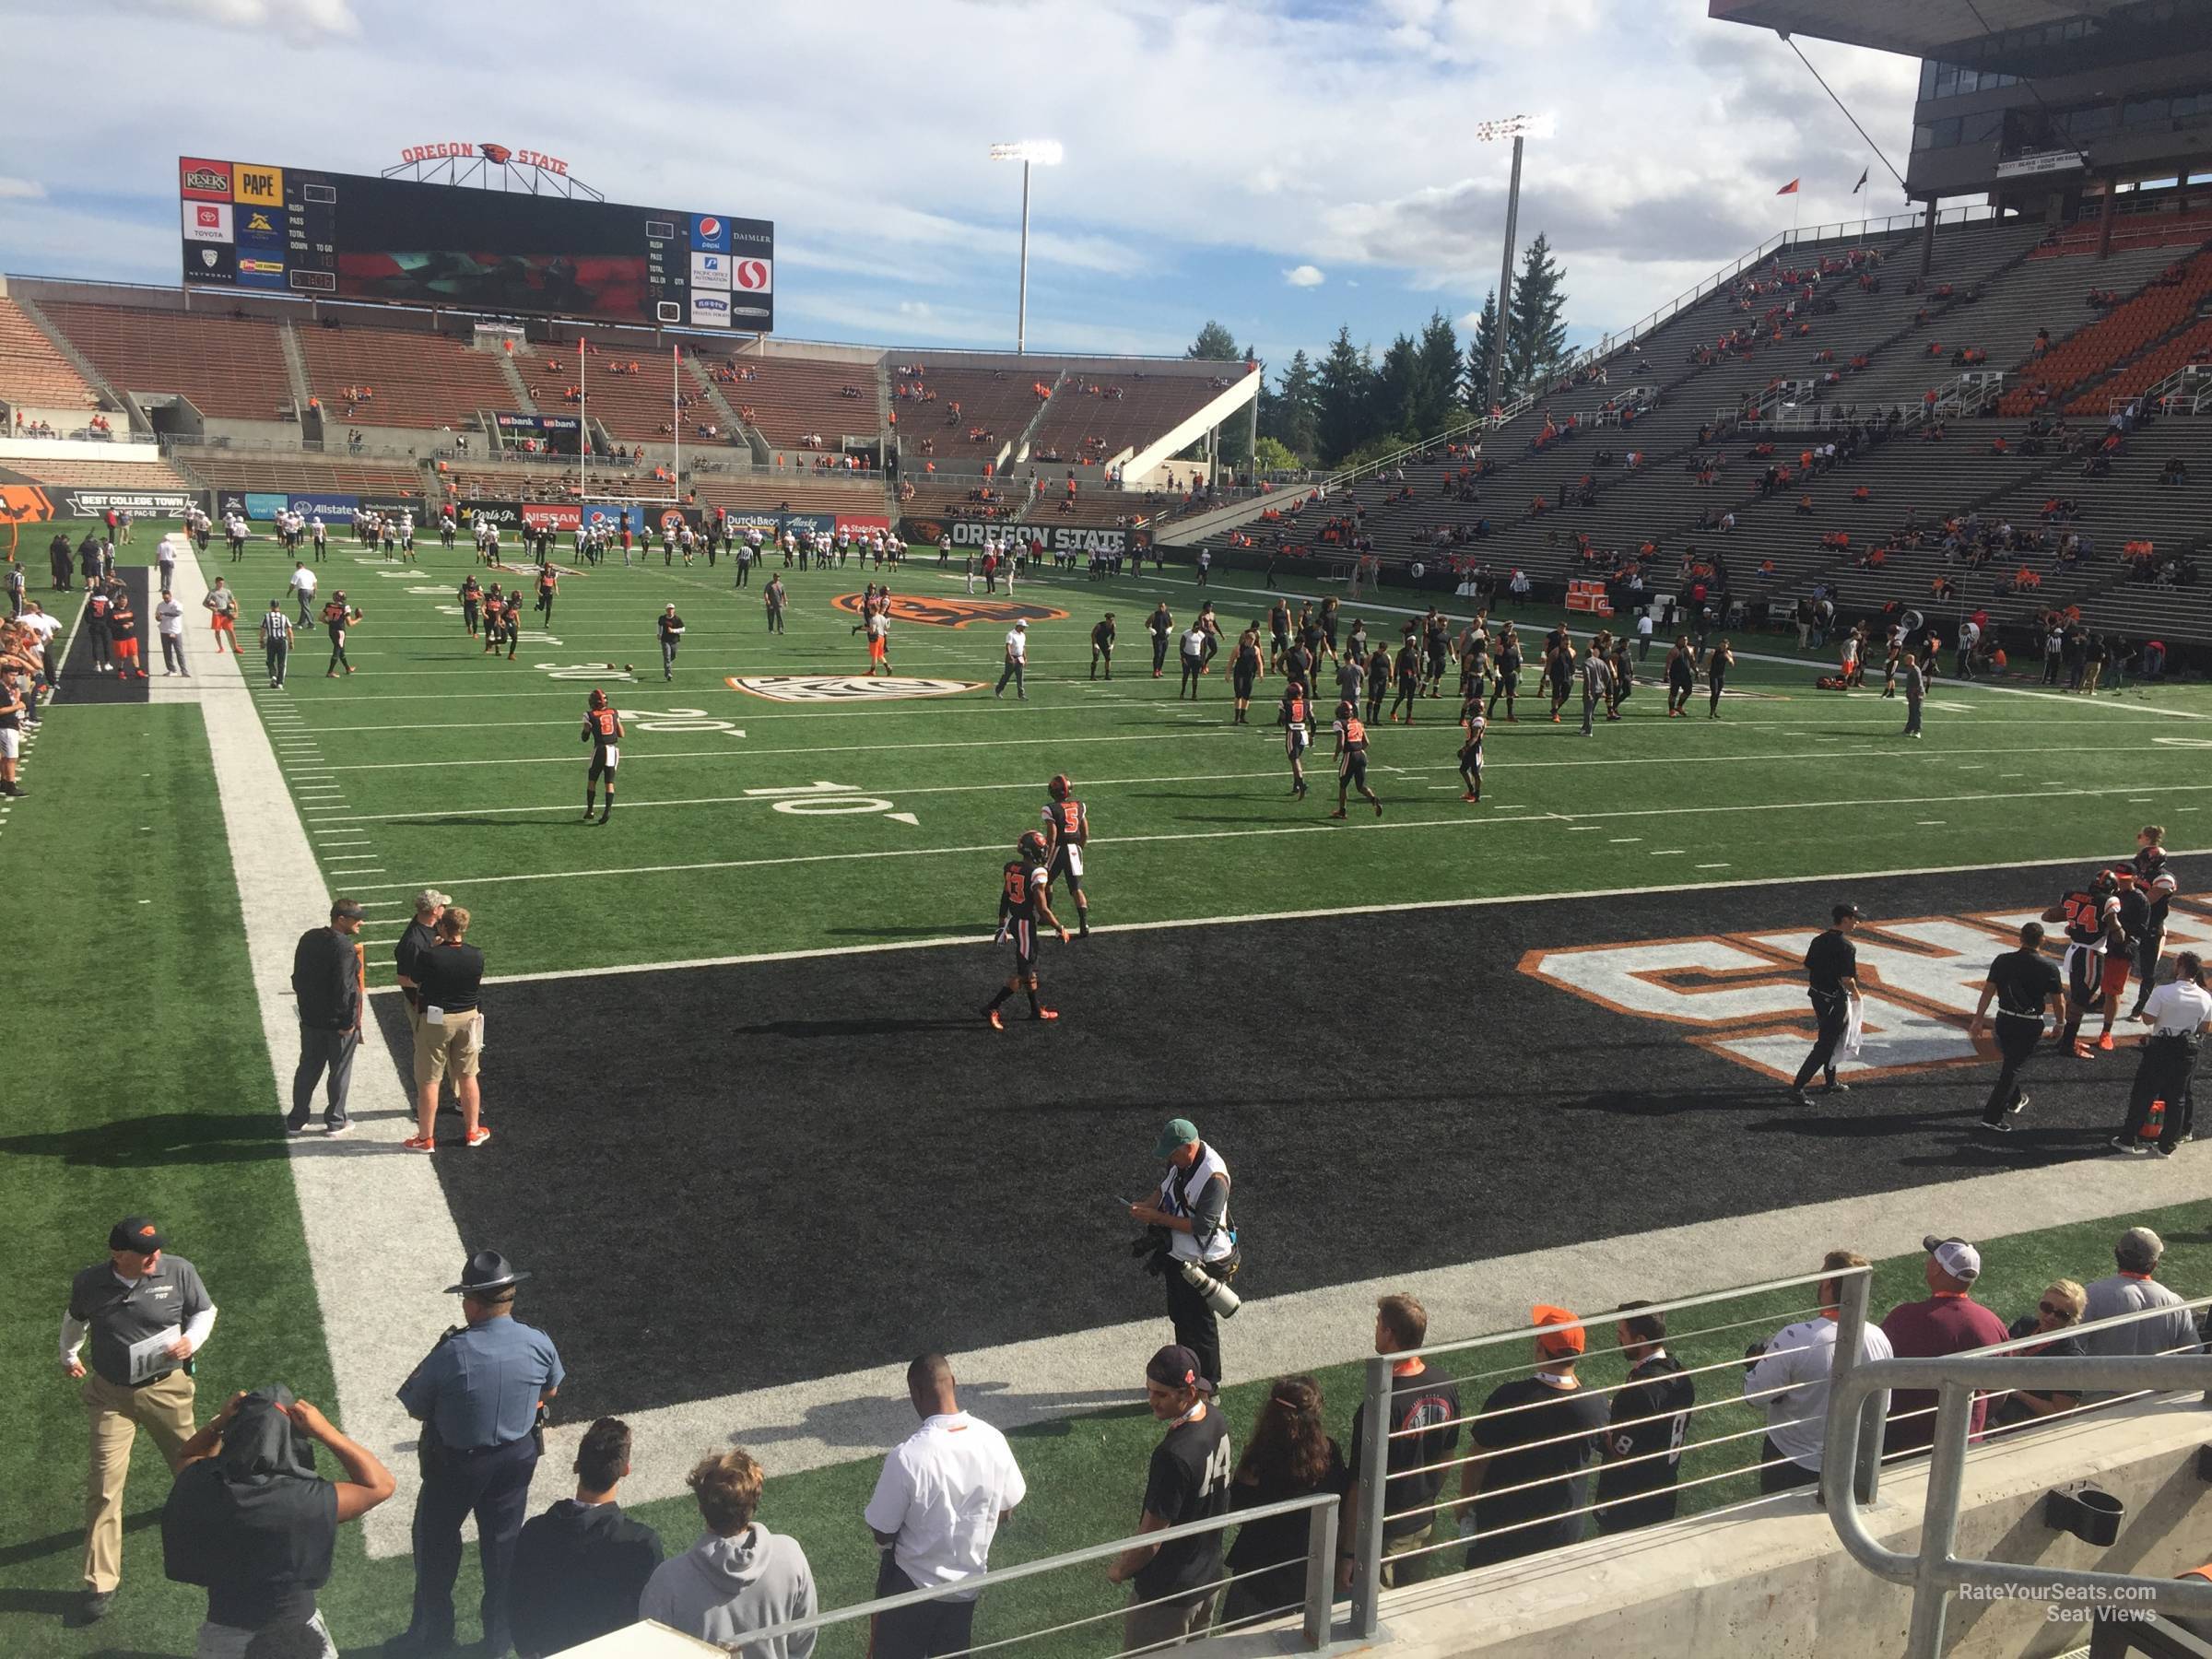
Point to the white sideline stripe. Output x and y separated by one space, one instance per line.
1398 908
380 1296
902 790
1577 820
848 748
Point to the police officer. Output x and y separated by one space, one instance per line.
1831 971
148 1314
477 1395
1192 1215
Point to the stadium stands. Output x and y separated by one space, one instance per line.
2163 305
228 366
790 399
416 380
94 475
32 371
629 399
220 469
967 414
1092 417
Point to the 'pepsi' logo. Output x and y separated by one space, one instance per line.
710 227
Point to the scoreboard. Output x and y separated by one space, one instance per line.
348 236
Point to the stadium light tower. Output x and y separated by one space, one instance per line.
1030 152
1517 129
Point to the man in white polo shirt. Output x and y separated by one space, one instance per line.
1017 661
304 588
1789 1376
937 1505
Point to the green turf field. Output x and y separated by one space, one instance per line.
138 1079
465 771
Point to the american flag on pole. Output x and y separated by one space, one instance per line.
1861 184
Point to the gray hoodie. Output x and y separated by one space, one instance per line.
720 1588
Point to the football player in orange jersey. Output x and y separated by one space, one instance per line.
1024 900
1067 833
603 731
1351 758
2092 915
1296 717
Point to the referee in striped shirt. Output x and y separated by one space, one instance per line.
276 640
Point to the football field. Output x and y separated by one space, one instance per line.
756 1142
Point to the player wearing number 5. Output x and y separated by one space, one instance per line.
146 1314
1024 900
603 731
1067 833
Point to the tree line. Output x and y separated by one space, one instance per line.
1352 403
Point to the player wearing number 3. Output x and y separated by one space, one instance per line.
603 731
1067 833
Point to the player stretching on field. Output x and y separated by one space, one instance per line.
603 731
1024 900
1470 752
1351 756
1296 718
1067 833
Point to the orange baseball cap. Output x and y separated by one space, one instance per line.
1561 1333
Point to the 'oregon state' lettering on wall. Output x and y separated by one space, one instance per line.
1742 994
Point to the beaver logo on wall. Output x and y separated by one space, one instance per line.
953 612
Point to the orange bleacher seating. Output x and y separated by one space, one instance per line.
303 472
419 380
793 396
632 407
2110 341
1082 424
98 475
32 371
1001 401
2192 345
231 368
2155 230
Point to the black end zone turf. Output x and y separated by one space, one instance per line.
734 1177
81 685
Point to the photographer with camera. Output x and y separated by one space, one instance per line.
1189 1243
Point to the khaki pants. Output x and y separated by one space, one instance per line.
1152 1624
164 1408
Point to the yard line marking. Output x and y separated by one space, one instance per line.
1624 840
748 754
1456 822
1668 851
981 937
1713 867
1929 823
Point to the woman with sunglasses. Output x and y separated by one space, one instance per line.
2056 1313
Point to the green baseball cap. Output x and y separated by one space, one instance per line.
1180 1132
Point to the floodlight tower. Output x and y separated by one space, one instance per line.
1517 129
1030 152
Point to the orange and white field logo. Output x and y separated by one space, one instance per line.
1742 994
848 687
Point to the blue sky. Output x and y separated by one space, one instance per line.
1282 168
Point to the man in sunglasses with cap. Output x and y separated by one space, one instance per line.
146 1314
477 1395
1192 1211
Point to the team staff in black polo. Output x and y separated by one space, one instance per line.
476 1395
330 985
1831 972
2020 982
146 1314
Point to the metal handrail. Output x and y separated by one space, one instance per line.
1321 1578
1853 1441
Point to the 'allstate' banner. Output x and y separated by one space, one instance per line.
331 509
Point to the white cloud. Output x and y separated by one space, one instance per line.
1304 275
20 190
300 22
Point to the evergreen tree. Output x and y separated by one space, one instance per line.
1291 414
1478 376
1437 398
1535 336
1345 387
1398 399
1215 344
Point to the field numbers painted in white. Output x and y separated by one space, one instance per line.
675 720
822 798
580 671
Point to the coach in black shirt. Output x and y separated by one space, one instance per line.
2020 982
1831 971
329 982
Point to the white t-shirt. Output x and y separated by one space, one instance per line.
2179 1009
42 623
169 616
1798 1362
1018 645
1643 626
941 1493
303 581
1194 642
